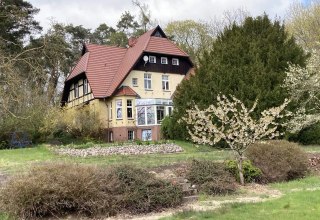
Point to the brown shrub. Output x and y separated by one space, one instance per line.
142 192
212 177
278 160
61 189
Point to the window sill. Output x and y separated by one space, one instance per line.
148 90
166 91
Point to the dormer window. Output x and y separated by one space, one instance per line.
152 59
164 60
175 61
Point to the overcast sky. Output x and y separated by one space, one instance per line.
91 13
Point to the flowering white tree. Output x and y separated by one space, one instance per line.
303 85
231 121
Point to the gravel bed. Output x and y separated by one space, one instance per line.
121 150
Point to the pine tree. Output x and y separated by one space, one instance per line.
247 61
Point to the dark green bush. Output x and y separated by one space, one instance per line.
62 189
211 177
308 135
278 160
4 145
250 172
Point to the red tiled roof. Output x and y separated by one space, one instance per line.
106 67
125 91
80 67
164 46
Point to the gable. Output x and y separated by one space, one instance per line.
106 67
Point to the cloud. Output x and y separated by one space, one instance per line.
94 12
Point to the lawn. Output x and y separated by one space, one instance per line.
20 159
299 202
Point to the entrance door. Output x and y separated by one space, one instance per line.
147 135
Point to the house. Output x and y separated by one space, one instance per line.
130 87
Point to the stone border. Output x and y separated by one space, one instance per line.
121 150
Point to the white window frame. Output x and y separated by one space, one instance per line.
119 108
164 60
76 90
152 59
147 81
177 62
129 135
135 82
130 107
167 112
165 83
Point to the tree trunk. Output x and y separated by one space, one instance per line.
240 160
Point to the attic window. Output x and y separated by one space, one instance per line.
157 34
152 59
164 60
175 61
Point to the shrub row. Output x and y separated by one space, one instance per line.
62 189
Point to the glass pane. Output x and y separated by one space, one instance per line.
160 114
150 115
141 116
129 112
119 112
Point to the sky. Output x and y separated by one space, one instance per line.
91 13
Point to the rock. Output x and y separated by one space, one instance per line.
121 150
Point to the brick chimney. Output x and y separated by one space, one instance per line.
132 41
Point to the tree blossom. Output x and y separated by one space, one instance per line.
303 85
231 121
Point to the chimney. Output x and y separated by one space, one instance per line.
132 41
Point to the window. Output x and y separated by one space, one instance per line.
141 115
169 110
85 86
119 109
146 115
152 59
164 60
110 112
76 90
147 81
160 114
130 135
150 115
175 61
134 81
129 109
165 82
147 135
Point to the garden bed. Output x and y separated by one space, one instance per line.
121 150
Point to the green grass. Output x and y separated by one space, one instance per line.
311 148
294 205
301 184
20 159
